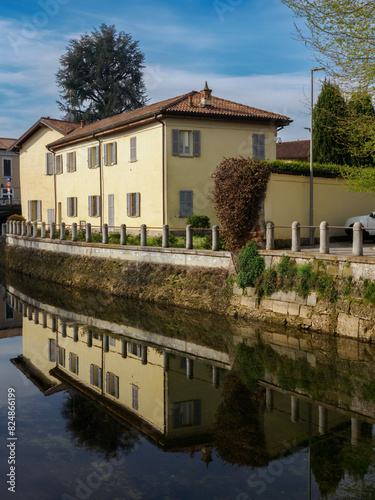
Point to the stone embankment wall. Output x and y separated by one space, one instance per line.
348 316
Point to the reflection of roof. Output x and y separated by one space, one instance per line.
5 143
14 331
177 106
40 380
293 150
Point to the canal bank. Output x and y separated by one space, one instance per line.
201 280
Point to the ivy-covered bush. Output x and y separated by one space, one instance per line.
251 265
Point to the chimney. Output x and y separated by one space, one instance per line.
206 97
190 101
82 123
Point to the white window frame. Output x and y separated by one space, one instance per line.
52 350
72 206
133 204
94 206
6 158
110 153
93 156
71 161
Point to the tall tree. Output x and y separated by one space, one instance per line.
101 75
329 113
341 34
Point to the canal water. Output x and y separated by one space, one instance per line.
109 399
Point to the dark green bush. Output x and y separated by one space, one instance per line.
251 265
304 282
369 290
266 283
286 272
198 221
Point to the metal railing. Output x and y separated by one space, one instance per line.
324 243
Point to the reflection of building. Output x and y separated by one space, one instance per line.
10 320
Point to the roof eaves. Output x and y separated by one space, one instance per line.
228 116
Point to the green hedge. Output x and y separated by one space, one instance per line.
303 168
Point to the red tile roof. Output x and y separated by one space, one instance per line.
176 106
6 143
293 150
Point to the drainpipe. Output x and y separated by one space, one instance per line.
163 168
100 181
54 185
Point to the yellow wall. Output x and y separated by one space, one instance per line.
219 140
15 178
288 200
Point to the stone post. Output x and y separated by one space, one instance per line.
296 237
62 231
89 338
323 420
269 399
357 239
356 431
165 239
23 228
270 235
106 343
3 229
189 237
52 227
8 226
74 231
43 230
14 227
324 237
105 233
143 235
36 317
123 234
44 320
35 229
28 229
88 232
189 369
63 329
75 333
18 228
215 238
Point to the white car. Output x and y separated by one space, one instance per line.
367 221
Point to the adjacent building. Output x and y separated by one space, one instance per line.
10 174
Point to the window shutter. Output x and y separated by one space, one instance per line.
137 204
116 385
68 207
197 412
186 203
75 206
52 349
77 365
262 146
89 157
175 142
90 206
49 163
68 162
92 374
100 378
96 156
29 210
98 206
70 361
105 154
55 164
107 382
114 153
196 142
259 146
133 149
63 357
74 162
128 204
39 210
176 416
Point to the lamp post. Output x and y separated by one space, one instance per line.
311 216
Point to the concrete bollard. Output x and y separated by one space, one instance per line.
63 329
296 237
105 233
14 227
36 317
43 230
165 238
3 229
144 354
189 369
189 236
269 399
270 236
89 338
324 237
123 234
75 333
356 431
8 226
215 238
52 228
28 229
106 343
18 228
323 420
23 228
62 231
35 229
74 231
88 232
143 235
357 239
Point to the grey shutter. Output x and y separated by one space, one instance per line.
262 146
175 142
114 153
98 205
105 154
196 142
92 374
70 361
49 163
68 207
128 204
55 164
89 157
75 206
116 385
74 162
38 210
63 357
96 156
107 382
77 365
133 149
90 206
68 162
186 203
197 412
52 349
29 214
100 378
137 204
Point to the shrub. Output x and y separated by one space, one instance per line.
17 218
251 265
266 283
198 221
286 272
369 290
304 281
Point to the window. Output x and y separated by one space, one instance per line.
112 341
7 167
9 312
49 163
93 157
186 203
134 204
186 142
259 150
133 149
94 206
110 153
34 210
61 356
72 206
134 397
135 349
58 164
73 363
112 384
52 350
187 414
96 376
71 162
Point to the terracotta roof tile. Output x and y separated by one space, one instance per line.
293 150
6 143
60 125
179 105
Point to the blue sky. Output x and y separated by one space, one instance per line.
243 48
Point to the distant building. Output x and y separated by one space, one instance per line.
293 151
10 169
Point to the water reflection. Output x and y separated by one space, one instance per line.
281 406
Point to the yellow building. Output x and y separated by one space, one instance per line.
150 166
10 174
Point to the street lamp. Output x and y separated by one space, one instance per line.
311 217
